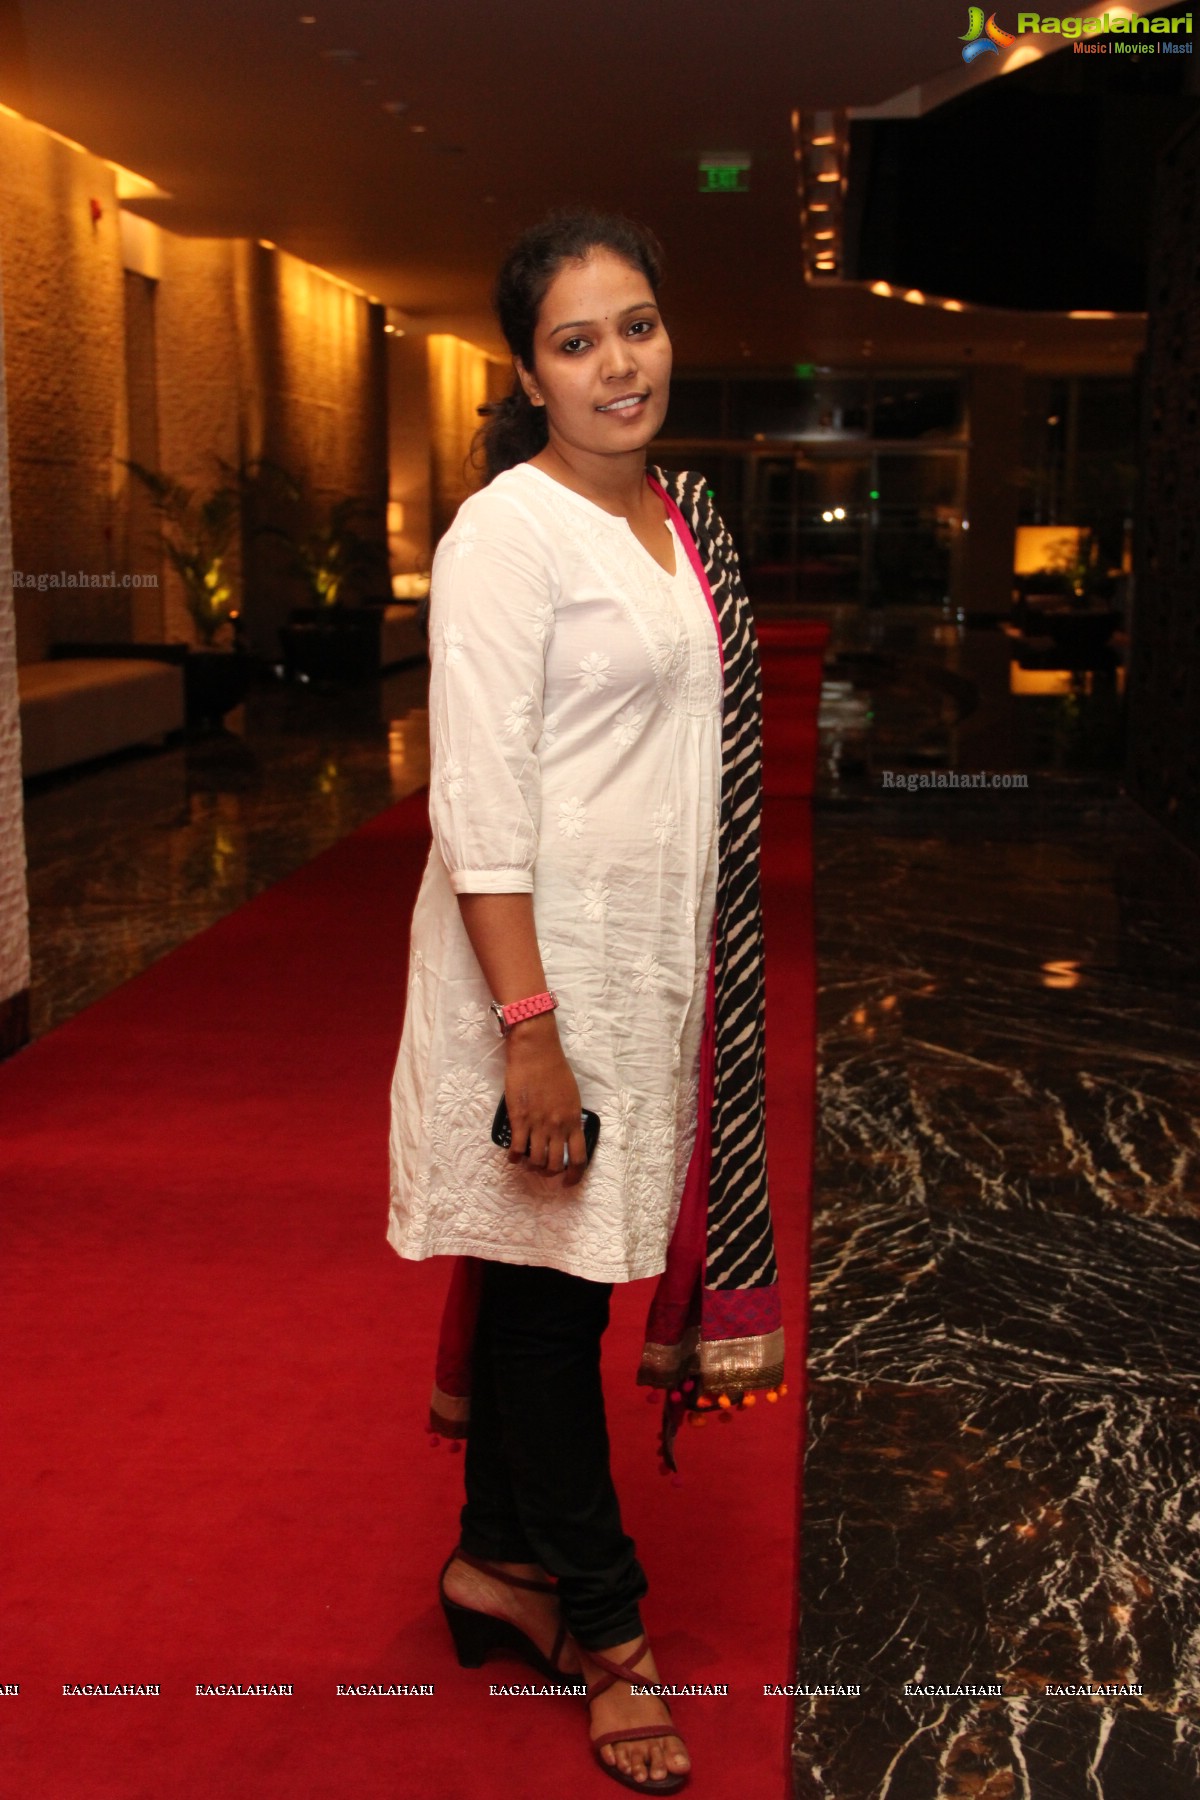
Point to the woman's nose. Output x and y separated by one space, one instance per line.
616 359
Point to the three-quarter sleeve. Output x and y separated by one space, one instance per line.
490 611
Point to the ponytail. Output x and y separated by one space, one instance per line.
513 430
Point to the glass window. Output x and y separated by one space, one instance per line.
917 406
815 406
917 527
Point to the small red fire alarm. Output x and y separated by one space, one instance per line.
96 210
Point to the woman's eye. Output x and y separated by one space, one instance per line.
572 344
642 326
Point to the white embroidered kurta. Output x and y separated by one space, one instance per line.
575 729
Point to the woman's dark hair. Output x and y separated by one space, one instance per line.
514 429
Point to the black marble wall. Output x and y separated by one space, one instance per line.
1163 769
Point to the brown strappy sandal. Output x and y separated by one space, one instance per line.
478 1635
627 1671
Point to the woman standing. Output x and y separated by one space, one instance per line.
587 935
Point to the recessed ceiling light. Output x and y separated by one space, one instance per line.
308 18
418 128
395 106
342 57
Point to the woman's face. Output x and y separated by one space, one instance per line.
602 357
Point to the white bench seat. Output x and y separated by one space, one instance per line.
80 707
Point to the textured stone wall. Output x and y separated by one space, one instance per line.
314 399
1163 695
250 351
14 919
197 379
458 387
63 299
409 462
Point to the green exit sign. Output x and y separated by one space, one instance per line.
724 175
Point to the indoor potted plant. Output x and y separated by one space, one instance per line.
333 634
198 531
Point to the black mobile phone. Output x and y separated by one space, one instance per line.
502 1129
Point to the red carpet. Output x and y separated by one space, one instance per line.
216 1372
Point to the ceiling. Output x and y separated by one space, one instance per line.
257 124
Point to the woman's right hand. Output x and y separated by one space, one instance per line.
543 1100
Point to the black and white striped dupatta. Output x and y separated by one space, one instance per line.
715 1324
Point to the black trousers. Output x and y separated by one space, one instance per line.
538 1483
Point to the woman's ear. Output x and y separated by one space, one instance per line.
528 382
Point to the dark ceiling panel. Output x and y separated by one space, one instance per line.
259 125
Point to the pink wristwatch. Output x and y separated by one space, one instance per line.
508 1016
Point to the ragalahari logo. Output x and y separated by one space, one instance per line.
981 36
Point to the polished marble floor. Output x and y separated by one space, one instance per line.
129 857
1002 1482
1003 1477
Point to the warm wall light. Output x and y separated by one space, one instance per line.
882 288
1046 547
820 146
127 183
915 296
1048 683
412 586
135 187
